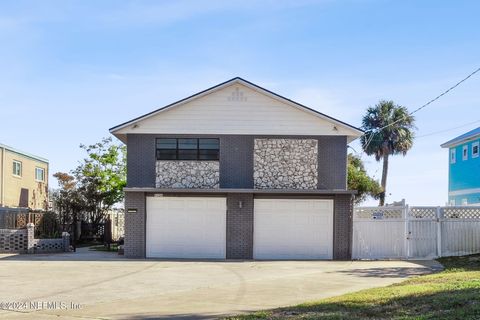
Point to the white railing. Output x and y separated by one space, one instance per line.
415 232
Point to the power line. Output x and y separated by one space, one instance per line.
447 130
423 106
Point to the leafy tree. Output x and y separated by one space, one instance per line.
101 177
359 180
69 202
389 131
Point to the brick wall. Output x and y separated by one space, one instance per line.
135 225
332 162
240 226
236 162
236 159
141 160
342 227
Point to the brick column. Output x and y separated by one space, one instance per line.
343 227
135 225
239 226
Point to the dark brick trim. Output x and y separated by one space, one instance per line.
342 227
135 225
239 226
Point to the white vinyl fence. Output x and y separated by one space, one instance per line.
415 232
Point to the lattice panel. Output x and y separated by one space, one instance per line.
13 241
379 213
37 218
461 212
48 245
423 212
21 220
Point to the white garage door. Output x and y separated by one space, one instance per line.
186 227
293 229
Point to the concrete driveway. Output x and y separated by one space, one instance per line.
101 285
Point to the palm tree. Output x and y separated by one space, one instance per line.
389 131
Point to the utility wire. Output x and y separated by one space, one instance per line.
423 106
446 130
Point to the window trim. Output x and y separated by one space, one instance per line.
465 153
20 167
43 174
476 144
453 155
177 149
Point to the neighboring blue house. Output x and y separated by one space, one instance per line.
464 169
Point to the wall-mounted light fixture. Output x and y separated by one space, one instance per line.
240 204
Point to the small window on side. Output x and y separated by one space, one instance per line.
40 174
453 157
17 168
465 153
475 149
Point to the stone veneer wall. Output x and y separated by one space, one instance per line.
187 174
285 164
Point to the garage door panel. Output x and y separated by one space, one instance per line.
293 229
186 227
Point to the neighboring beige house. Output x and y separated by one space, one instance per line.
23 179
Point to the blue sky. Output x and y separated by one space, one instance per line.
69 70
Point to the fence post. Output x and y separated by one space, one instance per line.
407 232
30 238
66 241
439 231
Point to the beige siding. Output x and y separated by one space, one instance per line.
238 109
2 168
13 185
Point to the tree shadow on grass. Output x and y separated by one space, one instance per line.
393 272
448 304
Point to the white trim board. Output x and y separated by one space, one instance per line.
463 191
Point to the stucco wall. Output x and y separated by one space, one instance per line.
285 164
34 194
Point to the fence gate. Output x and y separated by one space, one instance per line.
379 233
422 233
415 232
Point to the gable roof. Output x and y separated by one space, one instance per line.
355 132
25 154
470 135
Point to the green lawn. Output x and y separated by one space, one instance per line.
451 294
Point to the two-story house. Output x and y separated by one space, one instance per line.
464 169
23 179
237 172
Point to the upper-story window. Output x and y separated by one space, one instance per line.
465 153
17 168
453 155
40 174
475 150
187 149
